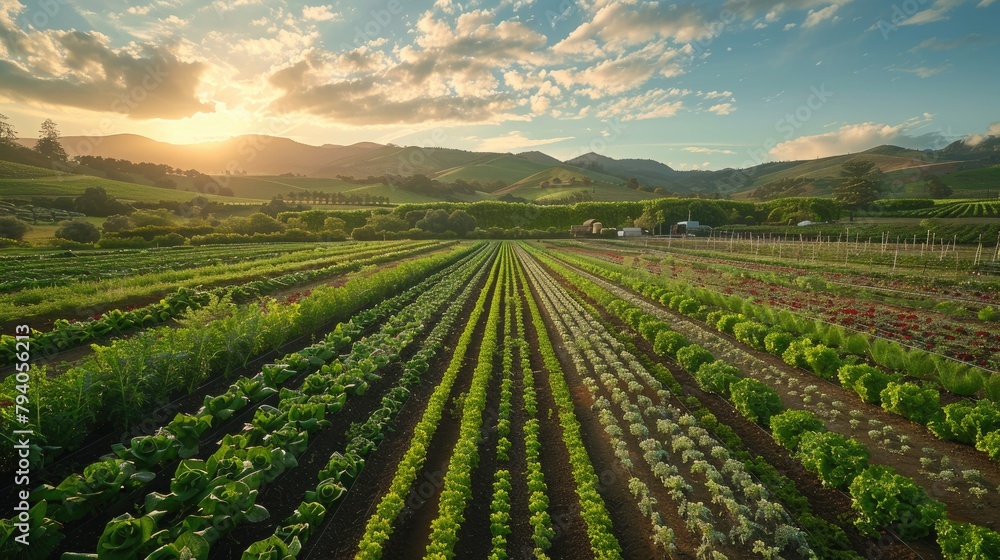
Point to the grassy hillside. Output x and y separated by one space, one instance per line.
564 174
11 170
984 182
269 186
397 160
506 168
74 185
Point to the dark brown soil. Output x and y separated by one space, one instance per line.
629 526
343 528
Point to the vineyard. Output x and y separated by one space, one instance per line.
456 399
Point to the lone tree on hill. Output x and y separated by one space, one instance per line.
48 142
860 184
8 135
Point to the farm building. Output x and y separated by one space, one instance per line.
630 232
589 227
689 227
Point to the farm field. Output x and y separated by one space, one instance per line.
714 398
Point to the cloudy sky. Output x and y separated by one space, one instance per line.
708 84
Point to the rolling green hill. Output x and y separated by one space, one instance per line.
395 160
11 170
74 185
507 168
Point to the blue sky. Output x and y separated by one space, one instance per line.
697 85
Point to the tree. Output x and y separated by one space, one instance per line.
95 201
79 231
12 228
435 221
936 188
860 184
632 183
8 135
649 219
48 142
461 222
118 222
387 223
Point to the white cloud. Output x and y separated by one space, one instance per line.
924 71
320 13
619 25
789 26
974 139
722 108
655 103
985 3
700 150
515 140
718 94
140 10
851 138
816 17
937 12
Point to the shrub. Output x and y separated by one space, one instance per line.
990 445
795 354
789 426
755 400
777 342
965 541
865 380
13 228
728 321
751 333
169 240
650 327
989 314
883 498
79 231
669 342
960 379
712 318
910 400
717 377
823 361
834 458
692 356
689 306
966 422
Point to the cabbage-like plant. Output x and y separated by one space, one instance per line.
343 469
268 462
254 388
226 506
327 492
192 479
101 482
44 535
309 417
188 546
126 537
187 429
225 405
148 451
273 548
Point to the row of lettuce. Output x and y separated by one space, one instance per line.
881 497
881 372
66 334
210 497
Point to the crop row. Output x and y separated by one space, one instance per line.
594 512
276 436
66 334
343 468
763 329
881 497
98 294
65 267
380 525
123 381
658 429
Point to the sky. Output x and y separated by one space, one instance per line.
696 85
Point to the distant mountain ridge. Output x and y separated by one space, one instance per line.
271 155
